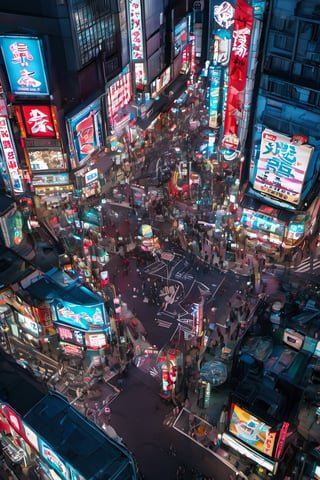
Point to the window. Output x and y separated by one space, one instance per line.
95 27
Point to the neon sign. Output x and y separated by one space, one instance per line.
25 66
38 121
224 15
136 30
10 156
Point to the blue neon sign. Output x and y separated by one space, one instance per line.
25 67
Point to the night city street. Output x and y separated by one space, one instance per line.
160 240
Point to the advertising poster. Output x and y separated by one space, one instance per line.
135 23
260 222
54 461
46 159
81 316
25 67
86 130
281 167
9 153
251 430
38 121
238 66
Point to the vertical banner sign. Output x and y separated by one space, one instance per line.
25 66
10 156
136 36
238 66
215 75
282 439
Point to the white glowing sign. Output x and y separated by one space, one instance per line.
224 15
136 29
139 73
10 156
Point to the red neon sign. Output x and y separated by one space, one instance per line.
38 121
238 66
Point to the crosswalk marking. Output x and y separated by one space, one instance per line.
185 276
305 266
163 323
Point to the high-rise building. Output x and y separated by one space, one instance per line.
280 174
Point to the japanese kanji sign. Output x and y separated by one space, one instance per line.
281 167
25 66
238 66
9 154
38 121
135 24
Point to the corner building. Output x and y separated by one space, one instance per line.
279 177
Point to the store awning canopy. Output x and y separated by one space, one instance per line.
105 162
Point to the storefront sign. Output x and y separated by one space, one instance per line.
51 179
293 339
97 340
91 176
25 66
38 121
9 153
119 94
86 130
238 66
281 168
251 430
259 221
139 74
31 436
46 159
28 324
71 349
136 35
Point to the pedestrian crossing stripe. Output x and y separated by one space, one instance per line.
305 267
163 323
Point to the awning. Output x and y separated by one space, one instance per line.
152 113
105 162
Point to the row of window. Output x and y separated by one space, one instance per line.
292 93
288 26
301 72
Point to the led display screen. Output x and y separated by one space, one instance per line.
80 316
25 66
281 167
251 430
46 159
260 222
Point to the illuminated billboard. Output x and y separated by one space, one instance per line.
251 430
136 35
10 156
238 66
25 67
80 316
281 167
180 36
86 130
51 179
38 121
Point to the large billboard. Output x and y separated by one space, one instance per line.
86 130
281 167
238 66
46 158
119 93
25 67
38 121
80 316
251 430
